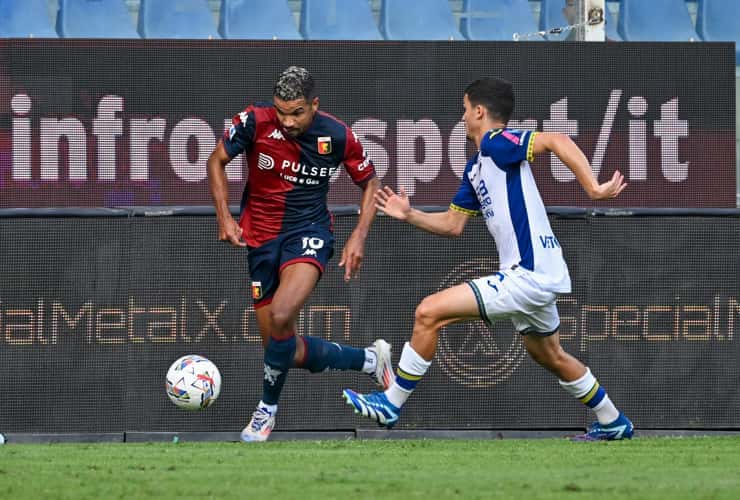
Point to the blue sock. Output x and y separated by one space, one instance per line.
323 355
278 360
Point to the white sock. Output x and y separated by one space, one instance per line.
272 409
371 361
586 389
411 368
606 412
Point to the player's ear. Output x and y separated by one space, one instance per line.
315 103
480 111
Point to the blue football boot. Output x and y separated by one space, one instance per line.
374 406
621 428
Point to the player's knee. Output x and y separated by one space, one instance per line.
426 313
282 321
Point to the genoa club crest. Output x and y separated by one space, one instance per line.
324 145
256 290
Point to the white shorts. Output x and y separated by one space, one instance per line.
515 294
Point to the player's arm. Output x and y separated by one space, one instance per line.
361 170
354 250
573 158
450 223
228 229
367 206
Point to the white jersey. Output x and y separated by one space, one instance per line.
499 184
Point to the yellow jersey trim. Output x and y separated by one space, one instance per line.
495 132
465 211
530 146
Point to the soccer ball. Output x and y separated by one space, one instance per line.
193 382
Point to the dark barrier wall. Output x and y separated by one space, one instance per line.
122 123
93 311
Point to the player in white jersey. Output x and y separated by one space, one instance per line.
498 183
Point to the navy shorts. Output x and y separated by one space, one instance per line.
313 244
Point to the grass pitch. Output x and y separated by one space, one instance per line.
672 468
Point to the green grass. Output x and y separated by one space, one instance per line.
548 468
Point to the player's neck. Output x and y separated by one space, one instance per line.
486 127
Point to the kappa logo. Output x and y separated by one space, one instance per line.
265 162
277 135
310 251
271 375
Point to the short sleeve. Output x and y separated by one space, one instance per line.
466 200
358 165
507 147
240 136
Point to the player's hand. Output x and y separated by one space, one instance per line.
352 255
395 205
231 232
609 189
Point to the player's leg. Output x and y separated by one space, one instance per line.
543 345
314 246
317 355
276 319
432 314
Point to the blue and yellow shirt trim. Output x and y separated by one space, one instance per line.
466 211
530 146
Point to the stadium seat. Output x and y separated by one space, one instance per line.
176 19
257 20
25 19
656 20
497 20
338 20
418 20
717 21
94 19
611 27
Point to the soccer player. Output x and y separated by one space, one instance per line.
292 150
498 183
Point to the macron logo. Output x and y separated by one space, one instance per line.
277 135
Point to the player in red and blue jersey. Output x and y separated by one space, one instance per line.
292 150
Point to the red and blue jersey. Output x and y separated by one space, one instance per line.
288 178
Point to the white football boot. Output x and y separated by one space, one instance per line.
383 375
260 427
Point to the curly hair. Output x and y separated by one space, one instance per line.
294 83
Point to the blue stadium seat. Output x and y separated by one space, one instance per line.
94 19
25 19
257 20
656 20
418 20
497 19
552 16
611 27
338 20
719 21
176 19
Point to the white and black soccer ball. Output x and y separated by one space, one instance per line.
193 382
